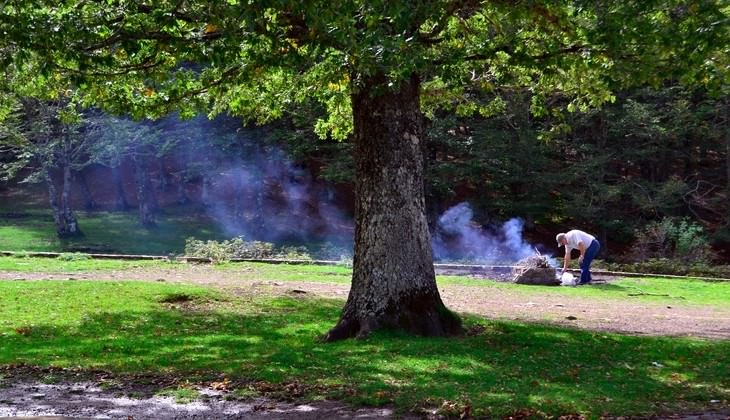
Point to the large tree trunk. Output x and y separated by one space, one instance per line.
393 280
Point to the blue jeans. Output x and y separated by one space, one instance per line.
585 266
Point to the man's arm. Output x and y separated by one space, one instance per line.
566 261
582 249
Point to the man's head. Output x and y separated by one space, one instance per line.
561 239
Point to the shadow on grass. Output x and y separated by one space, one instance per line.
502 368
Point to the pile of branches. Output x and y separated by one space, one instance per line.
535 269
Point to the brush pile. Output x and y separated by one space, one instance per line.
535 270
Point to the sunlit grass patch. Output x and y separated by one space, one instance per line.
182 395
65 263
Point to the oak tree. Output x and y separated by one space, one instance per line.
379 67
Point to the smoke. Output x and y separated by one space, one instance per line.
252 189
262 195
248 186
458 238
267 198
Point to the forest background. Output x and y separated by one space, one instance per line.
649 174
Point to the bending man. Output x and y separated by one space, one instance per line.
588 246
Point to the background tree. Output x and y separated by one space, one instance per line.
498 163
375 66
44 138
117 139
654 154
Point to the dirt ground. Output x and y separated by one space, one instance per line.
21 394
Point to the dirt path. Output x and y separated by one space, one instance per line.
85 400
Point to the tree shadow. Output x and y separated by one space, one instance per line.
611 287
503 366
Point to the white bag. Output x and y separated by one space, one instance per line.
567 279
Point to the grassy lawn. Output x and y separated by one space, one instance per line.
658 290
69 263
105 232
200 333
671 291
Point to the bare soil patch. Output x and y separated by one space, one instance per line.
84 395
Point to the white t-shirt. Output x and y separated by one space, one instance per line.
575 236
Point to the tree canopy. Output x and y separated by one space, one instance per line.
255 58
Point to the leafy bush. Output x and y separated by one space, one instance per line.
292 253
332 252
238 248
676 239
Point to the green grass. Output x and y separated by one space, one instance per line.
673 291
21 263
127 327
106 232
660 290
290 272
657 290
182 394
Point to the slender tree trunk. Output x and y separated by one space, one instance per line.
259 221
164 175
726 109
146 212
182 197
600 132
205 191
69 218
53 202
393 281
120 199
89 202
154 204
238 199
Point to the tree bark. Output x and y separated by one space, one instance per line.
120 199
89 202
53 202
205 191
164 175
71 224
182 196
726 109
239 204
144 203
259 220
393 280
